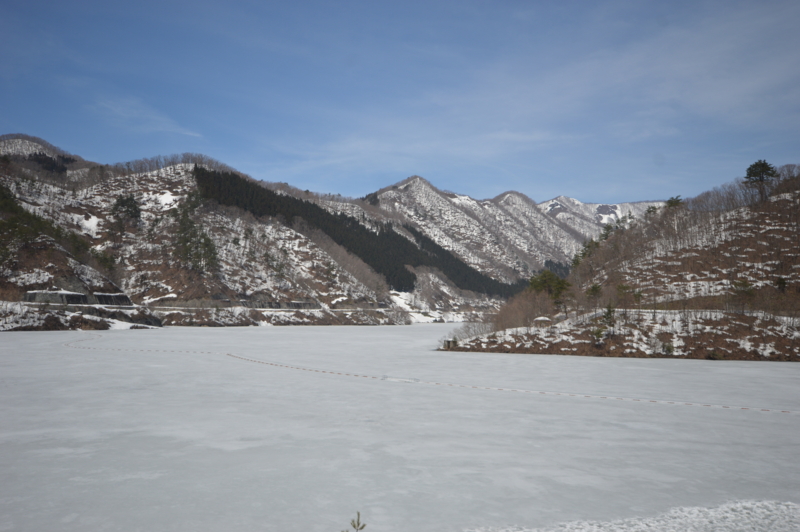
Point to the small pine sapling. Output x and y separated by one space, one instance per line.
356 523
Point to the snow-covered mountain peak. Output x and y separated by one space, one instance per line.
510 194
514 199
413 182
418 184
563 200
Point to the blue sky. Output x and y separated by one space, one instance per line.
602 101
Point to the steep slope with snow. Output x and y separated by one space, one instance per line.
259 261
24 145
586 217
745 257
180 251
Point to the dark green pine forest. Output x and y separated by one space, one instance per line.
385 251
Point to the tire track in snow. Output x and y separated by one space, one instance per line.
432 383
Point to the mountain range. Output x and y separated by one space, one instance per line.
268 253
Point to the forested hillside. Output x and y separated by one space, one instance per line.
729 248
717 275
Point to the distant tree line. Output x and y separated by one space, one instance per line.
159 162
385 250
54 165
761 180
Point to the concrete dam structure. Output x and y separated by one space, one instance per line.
65 297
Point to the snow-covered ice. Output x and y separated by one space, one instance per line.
161 430
741 516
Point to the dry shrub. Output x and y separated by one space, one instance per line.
522 309
469 330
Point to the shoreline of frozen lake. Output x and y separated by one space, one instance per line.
160 430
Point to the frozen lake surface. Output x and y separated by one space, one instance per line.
160 430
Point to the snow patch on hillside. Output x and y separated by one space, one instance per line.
35 276
23 147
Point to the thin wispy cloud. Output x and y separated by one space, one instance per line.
726 69
134 115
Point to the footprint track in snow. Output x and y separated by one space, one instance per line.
432 383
